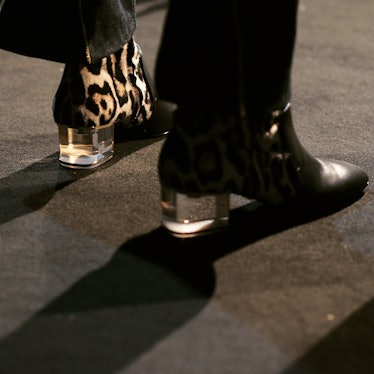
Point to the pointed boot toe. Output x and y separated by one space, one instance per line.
338 181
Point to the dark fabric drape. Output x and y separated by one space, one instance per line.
58 30
208 51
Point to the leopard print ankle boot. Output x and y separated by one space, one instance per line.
92 98
208 156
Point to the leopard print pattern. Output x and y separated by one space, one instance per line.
215 154
114 90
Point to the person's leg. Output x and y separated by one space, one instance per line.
92 98
67 31
197 54
221 44
104 81
229 74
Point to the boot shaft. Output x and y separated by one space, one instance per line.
243 52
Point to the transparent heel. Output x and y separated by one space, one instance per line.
189 216
85 147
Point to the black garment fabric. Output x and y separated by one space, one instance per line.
211 54
66 30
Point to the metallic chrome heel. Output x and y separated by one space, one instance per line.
85 147
188 216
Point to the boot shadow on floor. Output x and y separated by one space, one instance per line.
152 285
33 187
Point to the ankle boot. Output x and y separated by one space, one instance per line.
232 132
208 156
92 98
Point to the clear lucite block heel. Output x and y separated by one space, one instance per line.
188 216
85 147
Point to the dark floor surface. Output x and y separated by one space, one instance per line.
90 283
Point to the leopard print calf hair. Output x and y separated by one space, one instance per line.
114 90
212 154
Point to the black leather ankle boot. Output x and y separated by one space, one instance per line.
208 156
